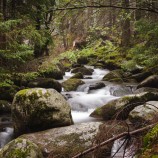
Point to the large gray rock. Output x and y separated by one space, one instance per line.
144 114
38 109
65 141
21 148
151 81
120 108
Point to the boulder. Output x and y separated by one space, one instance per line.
45 83
55 73
21 148
151 81
144 114
96 86
120 108
65 141
78 75
121 90
39 109
141 76
145 89
5 107
83 70
115 76
72 84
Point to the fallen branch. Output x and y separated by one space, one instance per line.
115 138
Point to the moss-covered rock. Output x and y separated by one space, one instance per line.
115 76
120 108
145 89
83 70
144 114
78 75
52 72
65 142
22 79
21 148
45 83
151 81
5 107
38 109
150 144
72 84
141 76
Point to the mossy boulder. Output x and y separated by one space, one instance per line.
39 109
21 148
83 70
120 108
65 142
115 76
22 79
45 83
141 76
150 144
78 75
145 89
72 84
7 91
5 107
151 81
52 72
144 114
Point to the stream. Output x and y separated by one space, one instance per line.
83 101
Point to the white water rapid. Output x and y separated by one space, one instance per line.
84 101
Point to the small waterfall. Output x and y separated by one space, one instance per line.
122 149
6 136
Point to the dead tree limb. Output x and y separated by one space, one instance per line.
135 132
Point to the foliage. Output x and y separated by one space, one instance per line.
145 52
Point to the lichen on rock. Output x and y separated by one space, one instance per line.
38 109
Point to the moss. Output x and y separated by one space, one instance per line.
151 137
72 84
21 148
78 75
51 72
96 113
150 144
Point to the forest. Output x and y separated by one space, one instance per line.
78 78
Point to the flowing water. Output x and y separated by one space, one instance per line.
84 100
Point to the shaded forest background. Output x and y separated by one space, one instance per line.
31 29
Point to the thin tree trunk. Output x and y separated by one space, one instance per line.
126 32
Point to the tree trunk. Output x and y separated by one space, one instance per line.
126 32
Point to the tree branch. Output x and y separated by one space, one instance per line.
114 138
104 6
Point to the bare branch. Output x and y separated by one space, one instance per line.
135 132
153 10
